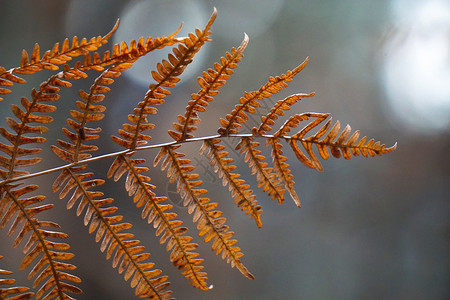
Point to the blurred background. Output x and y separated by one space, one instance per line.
375 228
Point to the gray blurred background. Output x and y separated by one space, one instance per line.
374 228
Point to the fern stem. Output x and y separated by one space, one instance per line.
146 147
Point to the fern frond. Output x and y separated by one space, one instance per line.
240 191
210 222
155 211
210 83
249 102
51 58
12 292
45 250
265 176
126 251
166 76
50 264
278 109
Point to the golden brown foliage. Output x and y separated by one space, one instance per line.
20 207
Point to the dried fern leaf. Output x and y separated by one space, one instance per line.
170 229
48 92
249 102
51 58
240 191
166 76
50 257
122 52
265 175
12 292
126 252
210 222
281 168
278 109
50 270
210 83
89 110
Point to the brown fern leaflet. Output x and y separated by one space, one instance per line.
240 191
51 58
249 102
47 250
210 83
264 175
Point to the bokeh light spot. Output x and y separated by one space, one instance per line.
416 70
